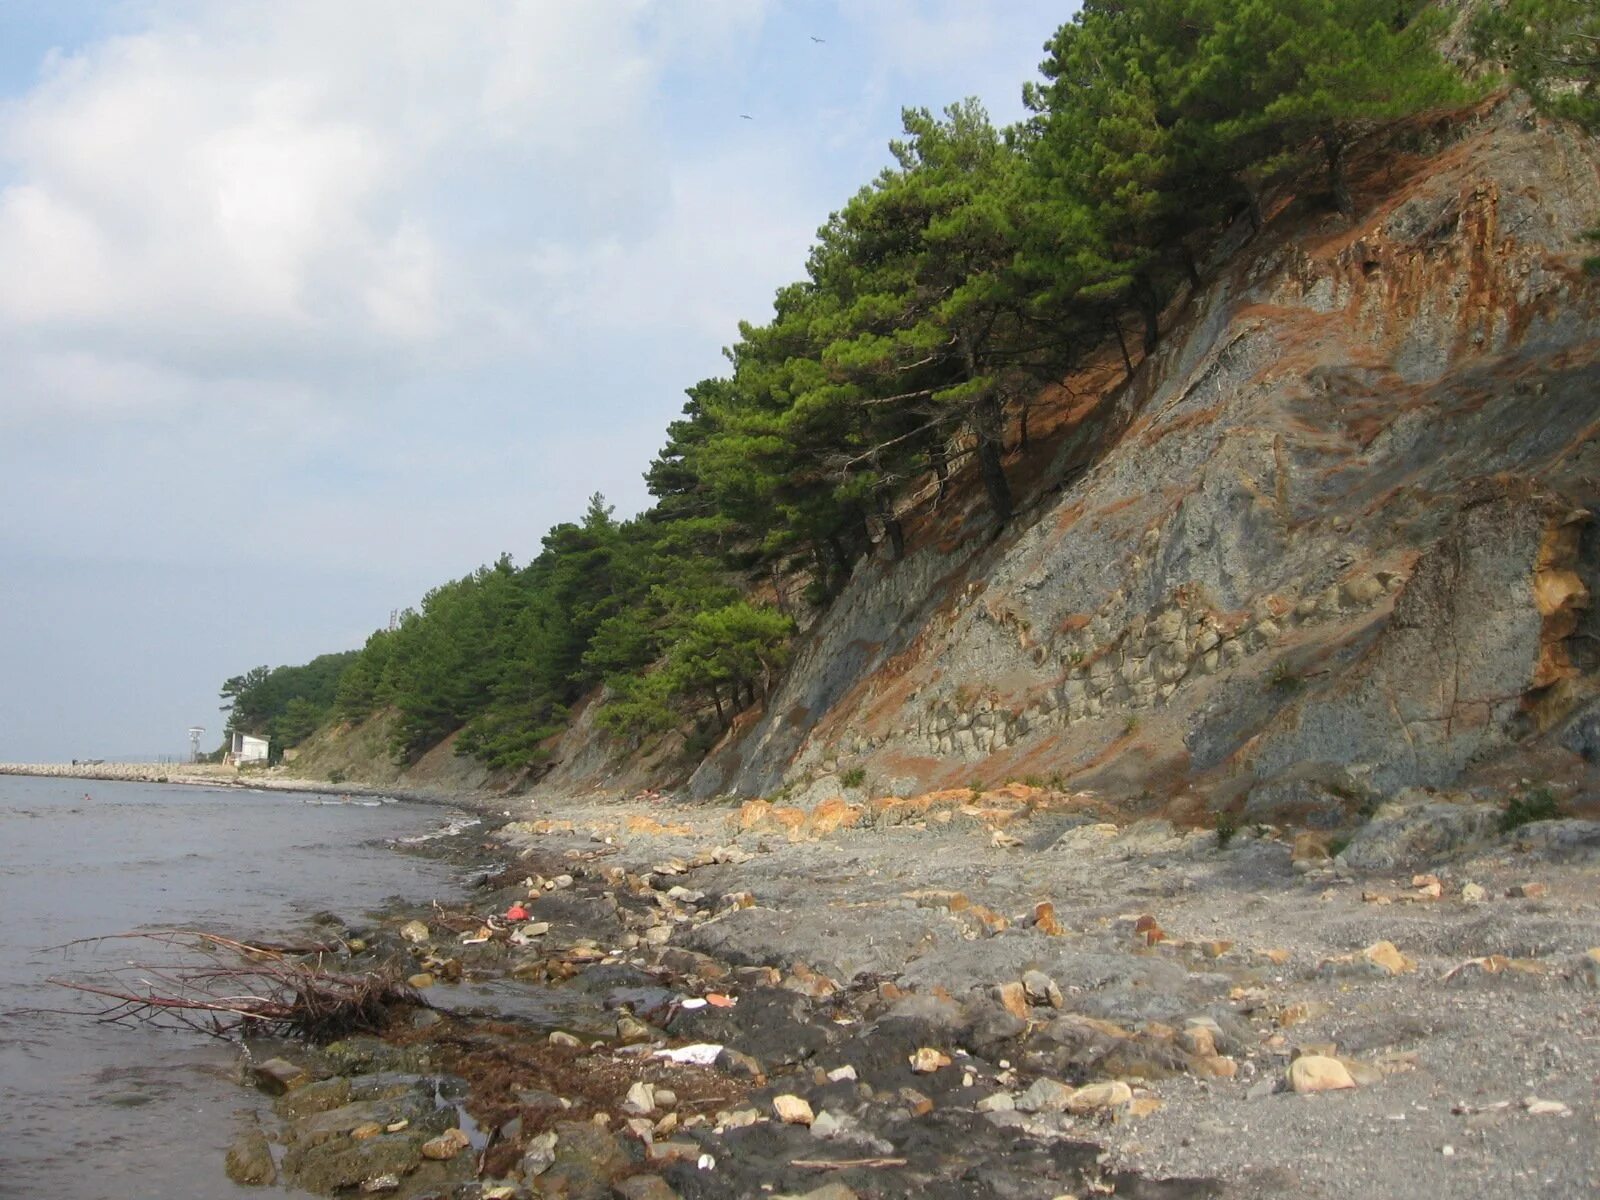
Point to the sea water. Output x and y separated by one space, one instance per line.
90 1111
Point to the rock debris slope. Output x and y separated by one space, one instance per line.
1334 539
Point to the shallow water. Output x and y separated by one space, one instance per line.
96 1112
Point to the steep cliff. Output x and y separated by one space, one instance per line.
1333 538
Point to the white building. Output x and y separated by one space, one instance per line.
247 749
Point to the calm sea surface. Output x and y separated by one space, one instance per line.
93 1112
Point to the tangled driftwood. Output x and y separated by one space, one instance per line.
254 988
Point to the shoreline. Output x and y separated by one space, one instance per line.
1137 991
229 778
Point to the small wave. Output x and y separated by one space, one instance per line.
450 829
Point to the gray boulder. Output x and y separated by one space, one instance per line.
1419 827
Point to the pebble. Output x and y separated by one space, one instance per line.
446 1146
1098 1096
415 931
641 1099
1041 989
1545 1108
792 1110
928 1060
1318 1073
561 1038
1043 1095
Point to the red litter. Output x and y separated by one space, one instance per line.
516 913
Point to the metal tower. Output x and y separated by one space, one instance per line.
195 734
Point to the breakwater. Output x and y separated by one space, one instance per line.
209 773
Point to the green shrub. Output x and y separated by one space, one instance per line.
855 777
1227 826
1537 805
1284 678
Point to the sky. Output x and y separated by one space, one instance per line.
307 307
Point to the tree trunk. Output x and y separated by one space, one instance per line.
716 699
986 424
1122 344
941 472
1190 267
1144 295
1333 151
840 566
896 533
1252 206
1022 426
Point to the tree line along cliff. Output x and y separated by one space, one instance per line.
935 307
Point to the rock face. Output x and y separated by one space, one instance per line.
1333 539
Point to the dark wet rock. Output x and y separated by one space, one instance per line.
278 1075
367 1055
313 1098
645 1187
739 1064
1142 1058
249 1160
991 1028
932 1010
387 1086
331 1165
772 1024
415 1108
538 1099
587 1159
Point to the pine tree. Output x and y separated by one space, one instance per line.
1276 74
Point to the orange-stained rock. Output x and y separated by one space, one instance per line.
1147 928
1215 1066
833 815
1044 919
987 918
933 898
753 814
1384 954
647 825
1014 998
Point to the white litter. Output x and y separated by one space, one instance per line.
700 1054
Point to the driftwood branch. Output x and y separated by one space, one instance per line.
264 988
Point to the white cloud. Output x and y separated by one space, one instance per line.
268 188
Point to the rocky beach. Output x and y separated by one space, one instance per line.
992 994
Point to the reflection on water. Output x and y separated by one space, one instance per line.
95 1112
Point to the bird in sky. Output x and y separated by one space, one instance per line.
819 41
746 117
